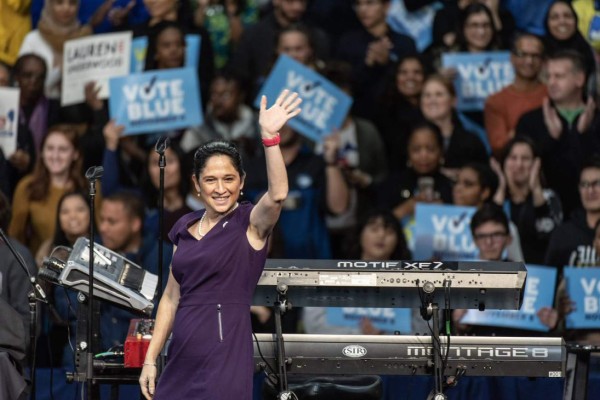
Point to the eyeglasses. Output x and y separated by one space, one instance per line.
494 236
589 185
523 54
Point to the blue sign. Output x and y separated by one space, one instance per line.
139 47
156 101
539 292
583 287
324 105
385 319
479 75
443 232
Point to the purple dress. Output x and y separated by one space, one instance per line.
210 355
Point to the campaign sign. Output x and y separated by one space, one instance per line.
9 120
539 292
478 76
139 47
443 232
385 319
583 287
156 101
93 58
324 105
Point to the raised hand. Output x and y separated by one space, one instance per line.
586 118
285 108
552 120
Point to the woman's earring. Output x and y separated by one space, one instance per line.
198 194
241 192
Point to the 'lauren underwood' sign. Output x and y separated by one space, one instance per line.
97 58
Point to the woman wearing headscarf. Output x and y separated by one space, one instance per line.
57 25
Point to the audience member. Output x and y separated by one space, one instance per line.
225 20
57 170
5 72
227 118
36 114
297 42
72 222
372 52
253 56
565 128
535 211
572 243
316 187
587 15
398 109
121 230
180 13
422 180
562 34
528 15
58 24
504 108
15 23
438 101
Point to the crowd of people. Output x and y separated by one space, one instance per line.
529 161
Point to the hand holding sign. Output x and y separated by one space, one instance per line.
273 119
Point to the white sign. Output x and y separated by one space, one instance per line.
9 120
94 58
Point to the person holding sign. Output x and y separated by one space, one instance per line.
219 255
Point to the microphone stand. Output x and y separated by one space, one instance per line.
92 175
36 295
161 146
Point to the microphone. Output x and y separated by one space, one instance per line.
162 144
94 173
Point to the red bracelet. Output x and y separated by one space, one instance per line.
272 141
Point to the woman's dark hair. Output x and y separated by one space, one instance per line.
151 192
391 93
430 126
23 59
476 8
60 238
401 251
155 32
214 148
489 212
486 177
515 141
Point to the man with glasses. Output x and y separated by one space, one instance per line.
572 242
503 109
566 127
489 227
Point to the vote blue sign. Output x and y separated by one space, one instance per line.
443 232
539 292
139 48
156 101
478 76
583 287
385 319
324 105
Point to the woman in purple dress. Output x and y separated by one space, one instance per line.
218 258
